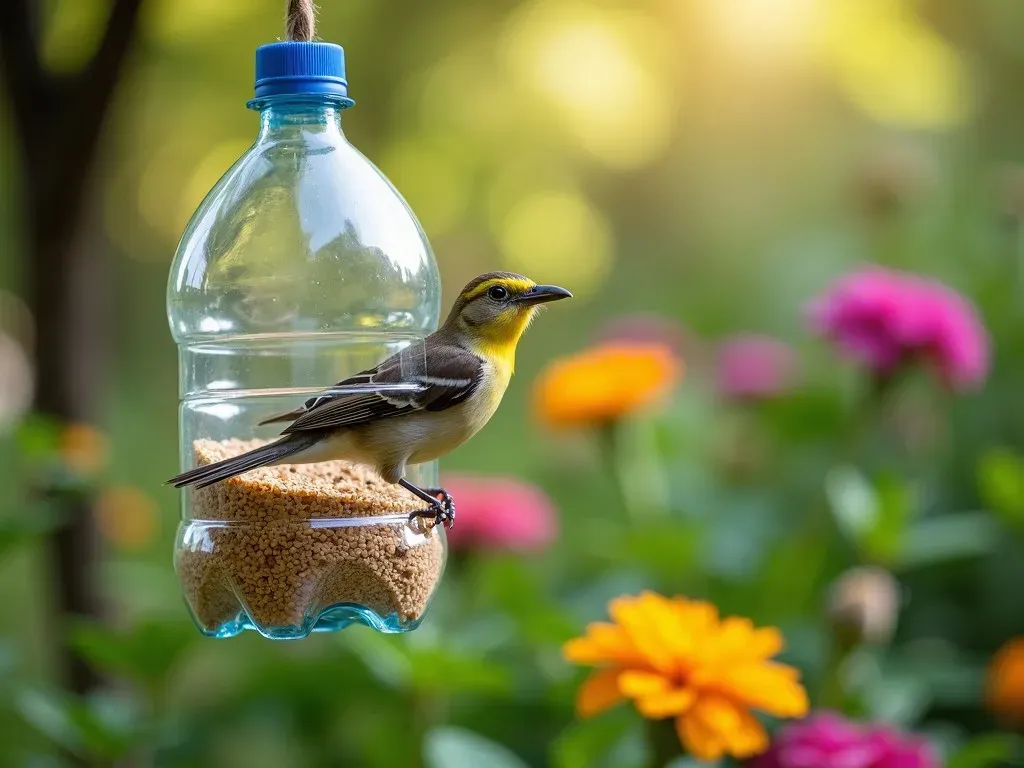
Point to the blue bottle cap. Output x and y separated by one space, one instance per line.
296 68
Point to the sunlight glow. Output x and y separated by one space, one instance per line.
592 72
892 65
205 175
557 236
433 178
761 30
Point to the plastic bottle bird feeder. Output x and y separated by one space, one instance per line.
302 266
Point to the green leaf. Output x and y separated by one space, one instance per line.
95 730
899 700
145 653
989 751
31 521
448 747
384 657
874 516
440 669
897 503
587 743
1001 484
955 536
37 436
853 502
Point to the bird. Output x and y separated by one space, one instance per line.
415 406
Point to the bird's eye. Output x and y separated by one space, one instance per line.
498 293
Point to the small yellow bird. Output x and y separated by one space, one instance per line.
417 405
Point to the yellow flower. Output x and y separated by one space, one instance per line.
605 383
676 658
1004 690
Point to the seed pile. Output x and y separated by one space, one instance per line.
256 541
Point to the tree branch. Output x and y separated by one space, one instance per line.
93 90
60 122
19 61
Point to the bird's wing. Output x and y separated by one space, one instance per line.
395 388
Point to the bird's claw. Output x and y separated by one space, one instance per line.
442 510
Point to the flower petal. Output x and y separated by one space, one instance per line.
603 643
749 738
698 739
642 618
717 713
656 706
770 687
599 692
765 643
636 683
732 725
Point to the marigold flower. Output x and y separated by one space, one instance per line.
604 384
884 319
828 739
1004 689
500 513
676 658
754 367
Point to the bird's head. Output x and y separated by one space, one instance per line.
492 312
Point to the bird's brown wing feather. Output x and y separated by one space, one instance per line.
402 384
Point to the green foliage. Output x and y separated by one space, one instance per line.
989 751
753 200
458 748
1001 484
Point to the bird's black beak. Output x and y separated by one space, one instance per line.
541 294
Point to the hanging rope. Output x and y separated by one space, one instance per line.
300 21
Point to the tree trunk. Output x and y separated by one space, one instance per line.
58 120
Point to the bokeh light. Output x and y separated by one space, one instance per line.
206 173
593 74
72 34
557 236
16 378
431 175
892 66
126 517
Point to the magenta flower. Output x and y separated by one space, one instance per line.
753 367
828 739
500 513
885 318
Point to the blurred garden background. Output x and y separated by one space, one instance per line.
820 445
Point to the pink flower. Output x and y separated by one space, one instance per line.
500 513
753 367
828 739
885 318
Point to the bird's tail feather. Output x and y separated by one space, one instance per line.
208 474
290 416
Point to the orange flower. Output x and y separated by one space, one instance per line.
604 383
83 448
1004 690
126 517
676 658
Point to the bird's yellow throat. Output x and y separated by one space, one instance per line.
497 341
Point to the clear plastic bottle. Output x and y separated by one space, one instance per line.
301 267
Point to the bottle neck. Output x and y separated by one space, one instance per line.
284 117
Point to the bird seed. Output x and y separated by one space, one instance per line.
273 542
